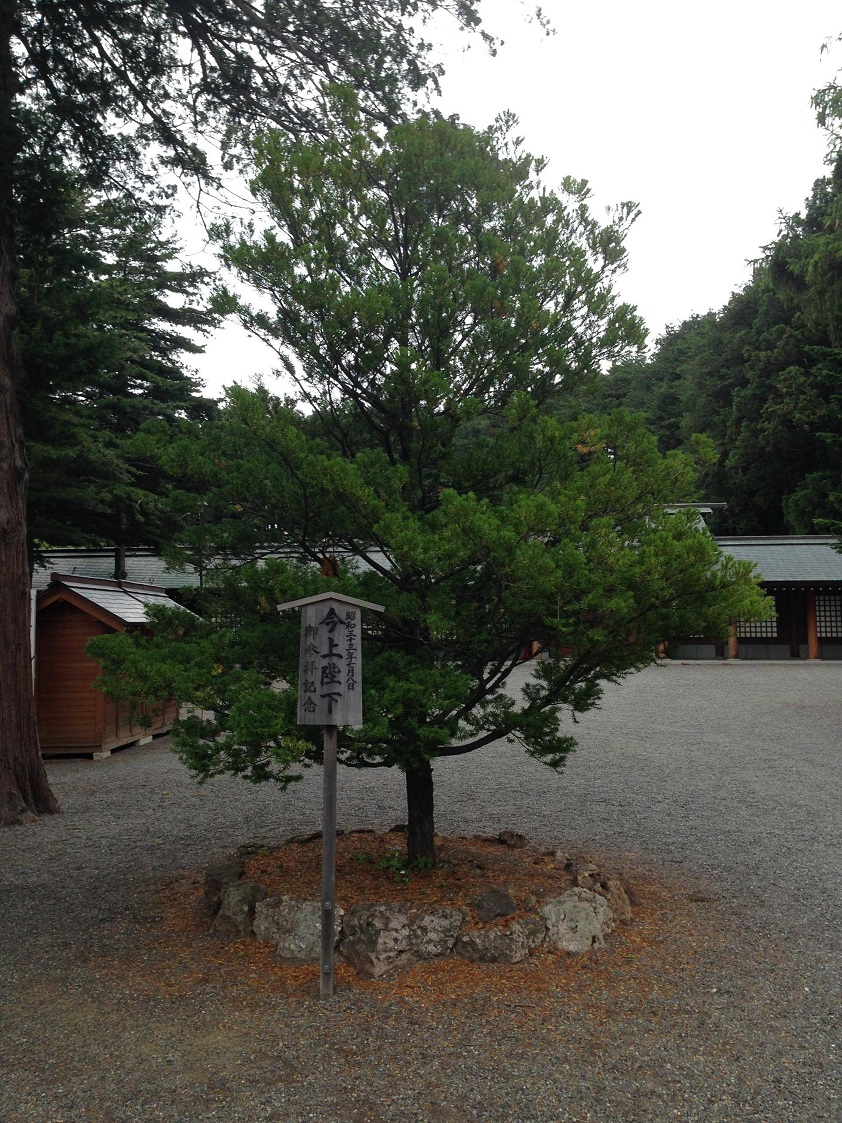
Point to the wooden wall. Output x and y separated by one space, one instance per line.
70 711
74 717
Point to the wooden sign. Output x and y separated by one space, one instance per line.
329 694
329 669
330 664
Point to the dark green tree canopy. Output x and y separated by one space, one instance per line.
108 316
763 379
176 71
454 279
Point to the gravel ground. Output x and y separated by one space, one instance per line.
717 783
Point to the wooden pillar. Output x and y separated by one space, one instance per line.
733 642
812 624
328 861
793 622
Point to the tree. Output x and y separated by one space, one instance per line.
762 378
432 300
105 312
131 92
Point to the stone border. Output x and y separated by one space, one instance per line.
378 938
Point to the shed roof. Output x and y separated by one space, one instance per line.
118 602
142 566
794 558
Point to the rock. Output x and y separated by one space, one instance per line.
578 921
217 877
533 930
513 839
493 902
563 858
576 866
248 850
375 938
608 886
501 945
293 927
236 911
432 934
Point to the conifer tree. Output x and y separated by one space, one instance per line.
433 301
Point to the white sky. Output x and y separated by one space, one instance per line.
700 113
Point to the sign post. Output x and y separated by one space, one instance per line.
329 694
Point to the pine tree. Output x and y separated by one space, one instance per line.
433 301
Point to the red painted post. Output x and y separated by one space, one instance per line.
812 624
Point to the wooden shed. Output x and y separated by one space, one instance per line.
74 717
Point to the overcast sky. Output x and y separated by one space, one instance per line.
699 113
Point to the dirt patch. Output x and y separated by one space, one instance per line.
371 868
642 958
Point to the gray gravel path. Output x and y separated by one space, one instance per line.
721 779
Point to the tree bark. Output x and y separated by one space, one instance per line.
24 790
120 571
420 840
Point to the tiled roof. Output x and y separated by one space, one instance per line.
802 558
141 565
785 558
125 600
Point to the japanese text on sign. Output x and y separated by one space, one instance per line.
330 686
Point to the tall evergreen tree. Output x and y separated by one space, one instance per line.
762 378
106 309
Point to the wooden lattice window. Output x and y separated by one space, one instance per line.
829 615
758 629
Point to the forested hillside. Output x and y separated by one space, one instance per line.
762 378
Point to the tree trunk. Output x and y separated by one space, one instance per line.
420 842
24 790
120 571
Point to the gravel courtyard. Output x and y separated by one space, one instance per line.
717 783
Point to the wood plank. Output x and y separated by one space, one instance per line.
329 669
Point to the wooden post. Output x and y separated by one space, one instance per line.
733 642
793 621
812 624
328 860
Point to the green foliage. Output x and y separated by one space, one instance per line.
106 320
434 302
132 89
395 863
453 277
132 94
762 380
582 558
